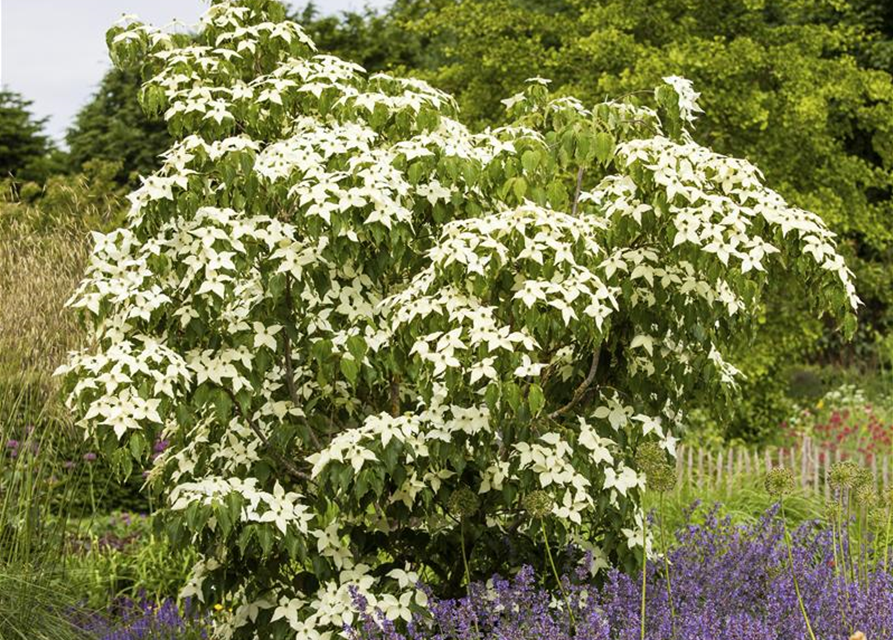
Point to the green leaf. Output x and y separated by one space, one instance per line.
519 188
137 445
604 146
529 160
350 369
535 399
357 347
223 406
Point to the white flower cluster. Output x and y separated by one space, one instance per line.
341 308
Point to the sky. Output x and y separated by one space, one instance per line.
54 53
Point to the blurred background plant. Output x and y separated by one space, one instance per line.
119 556
35 597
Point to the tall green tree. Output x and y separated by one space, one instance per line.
112 127
377 342
23 144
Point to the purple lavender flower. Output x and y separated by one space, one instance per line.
729 581
143 619
90 456
12 444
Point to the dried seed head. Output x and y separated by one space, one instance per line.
463 503
538 504
866 495
844 475
779 482
650 456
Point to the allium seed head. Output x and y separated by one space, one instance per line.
649 456
538 504
779 482
866 495
843 475
463 503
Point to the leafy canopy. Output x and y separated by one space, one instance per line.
23 144
370 335
113 127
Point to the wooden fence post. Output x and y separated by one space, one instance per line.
886 473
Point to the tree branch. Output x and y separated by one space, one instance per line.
580 391
395 397
288 464
577 191
289 367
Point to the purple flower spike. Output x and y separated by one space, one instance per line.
90 456
728 581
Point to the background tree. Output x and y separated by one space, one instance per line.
26 153
112 127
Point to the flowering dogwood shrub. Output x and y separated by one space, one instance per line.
368 334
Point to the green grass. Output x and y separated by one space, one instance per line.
744 500
35 602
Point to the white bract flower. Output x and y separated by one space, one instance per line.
359 325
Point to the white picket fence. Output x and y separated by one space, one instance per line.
809 462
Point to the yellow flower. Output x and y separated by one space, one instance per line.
218 607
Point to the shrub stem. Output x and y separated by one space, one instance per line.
567 603
644 569
787 544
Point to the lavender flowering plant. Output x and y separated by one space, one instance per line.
729 581
146 620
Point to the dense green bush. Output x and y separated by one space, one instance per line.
377 342
121 555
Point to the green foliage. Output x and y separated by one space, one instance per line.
35 601
113 128
120 555
25 151
742 498
36 605
352 318
377 40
